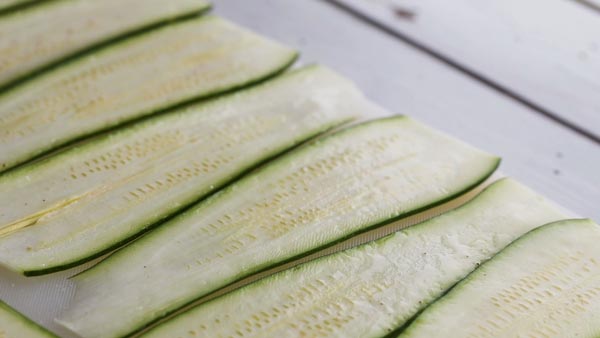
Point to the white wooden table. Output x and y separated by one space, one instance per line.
517 78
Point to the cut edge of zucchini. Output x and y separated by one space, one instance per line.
204 6
42 152
106 138
494 162
17 5
83 141
412 326
472 203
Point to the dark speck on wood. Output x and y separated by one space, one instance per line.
404 13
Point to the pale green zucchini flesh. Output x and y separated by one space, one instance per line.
372 289
15 325
187 60
546 284
42 35
333 188
7 5
77 205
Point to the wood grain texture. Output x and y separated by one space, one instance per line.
551 159
546 51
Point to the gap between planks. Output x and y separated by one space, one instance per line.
505 91
594 5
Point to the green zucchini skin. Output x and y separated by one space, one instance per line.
338 186
154 72
176 159
558 259
59 30
15 324
8 6
369 290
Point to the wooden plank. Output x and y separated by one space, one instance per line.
403 80
540 153
546 51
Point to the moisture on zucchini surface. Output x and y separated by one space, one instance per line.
76 205
335 187
44 34
15 325
372 289
136 77
546 284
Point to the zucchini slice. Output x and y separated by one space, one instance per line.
546 284
39 36
8 5
85 201
329 190
140 76
369 290
15 325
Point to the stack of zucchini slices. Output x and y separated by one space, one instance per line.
236 192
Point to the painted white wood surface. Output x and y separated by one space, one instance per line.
551 159
548 51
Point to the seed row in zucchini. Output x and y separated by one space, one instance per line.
44 34
154 71
546 284
15 325
372 289
326 191
78 204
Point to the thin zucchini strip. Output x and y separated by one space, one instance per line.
149 73
369 290
546 284
15 325
44 34
75 206
6 5
335 187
